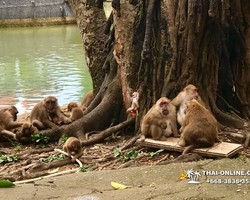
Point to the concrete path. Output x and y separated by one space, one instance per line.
148 183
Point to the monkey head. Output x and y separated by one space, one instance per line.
13 111
192 104
191 91
135 95
163 106
50 104
76 146
26 129
72 105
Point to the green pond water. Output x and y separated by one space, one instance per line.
40 61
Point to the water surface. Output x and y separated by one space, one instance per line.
40 61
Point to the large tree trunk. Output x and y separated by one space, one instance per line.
167 44
91 22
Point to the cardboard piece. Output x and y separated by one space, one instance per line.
222 149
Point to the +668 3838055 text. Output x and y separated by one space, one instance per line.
228 181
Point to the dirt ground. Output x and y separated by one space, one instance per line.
103 156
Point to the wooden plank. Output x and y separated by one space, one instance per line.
222 149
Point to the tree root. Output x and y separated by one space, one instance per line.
130 143
108 132
224 118
190 157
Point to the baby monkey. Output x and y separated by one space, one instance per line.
76 111
135 104
73 147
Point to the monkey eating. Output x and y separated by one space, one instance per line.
76 111
135 104
160 121
24 134
199 127
188 93
88 98
45 108
73 147
8 117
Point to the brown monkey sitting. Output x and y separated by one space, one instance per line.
160 121
73 147
76 111
45 108
24 134
188 93
88 98
8 122
199 128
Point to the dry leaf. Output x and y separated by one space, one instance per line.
53 171
183 176
118 185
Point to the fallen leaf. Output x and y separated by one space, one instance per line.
118 186
183 176
53 171
6 183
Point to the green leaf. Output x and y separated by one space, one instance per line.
155 153
117 152
83 169
6 183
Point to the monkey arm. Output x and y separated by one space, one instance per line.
117 58
64 118
13 125
174 128
160 122
178 100
79 154
49 124
8 134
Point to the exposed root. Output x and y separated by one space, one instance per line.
130 143
190 157
108 132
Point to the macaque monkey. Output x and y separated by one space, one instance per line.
45 108
76 111
87 99
73 147
199 127
135 103
24 134
118 49
8 117
160 121
187 94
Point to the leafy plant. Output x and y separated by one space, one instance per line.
130 155
40 139
64 139
117 152
83 169
155 153
7 159
16 144
51 158
126 156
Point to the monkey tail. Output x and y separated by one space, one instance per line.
188 149
142 138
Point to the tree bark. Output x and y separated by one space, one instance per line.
91 22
